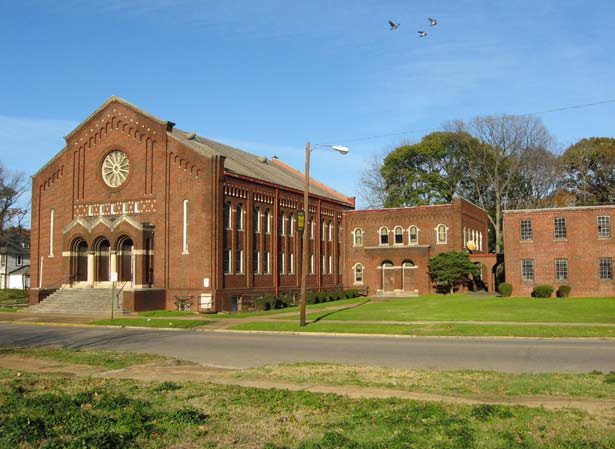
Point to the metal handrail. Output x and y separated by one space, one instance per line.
117 295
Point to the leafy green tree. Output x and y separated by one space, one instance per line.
589 170
452 268
429 172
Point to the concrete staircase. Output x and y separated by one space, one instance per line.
77 301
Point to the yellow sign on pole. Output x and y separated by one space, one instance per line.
301 220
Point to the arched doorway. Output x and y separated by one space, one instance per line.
79 260
408 270
102 259
388 276
125 260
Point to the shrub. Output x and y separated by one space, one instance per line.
563 291
505 289
352 293
542 291
610 378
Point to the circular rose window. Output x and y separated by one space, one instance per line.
115 168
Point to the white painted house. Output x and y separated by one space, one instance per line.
15 263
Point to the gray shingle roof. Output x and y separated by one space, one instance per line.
258 167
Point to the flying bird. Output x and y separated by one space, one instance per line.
422 33
432 22
393 25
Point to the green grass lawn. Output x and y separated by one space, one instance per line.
55 411
340 303
468 308
467 330
151 313
460 383
9 309
152 322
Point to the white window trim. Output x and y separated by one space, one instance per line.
283 224
410 242
330 264
312 229
608 217
185 229
354 237
291 263
380 236
354 273
283 264
51 226
291 230
330 231
257 268
257 224
240 258
240 216
395 235
312 264
229 269
438 242
267 222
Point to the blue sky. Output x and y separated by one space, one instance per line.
266 76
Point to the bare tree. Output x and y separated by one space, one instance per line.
13 185
372 189
506 140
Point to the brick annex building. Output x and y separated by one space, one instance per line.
388 249
562 246
175 214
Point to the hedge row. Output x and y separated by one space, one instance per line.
268 302
540 291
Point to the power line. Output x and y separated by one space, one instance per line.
414 131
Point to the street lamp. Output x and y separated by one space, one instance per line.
306 212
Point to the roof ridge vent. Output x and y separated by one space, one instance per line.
192 136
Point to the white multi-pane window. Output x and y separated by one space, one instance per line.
560 228
399 235
414 235
239 261
357 237
384 235
561 269
441 233
358 273
604 227
606 268
527 232
527 269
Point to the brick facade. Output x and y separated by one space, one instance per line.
576 256
163 228
400 264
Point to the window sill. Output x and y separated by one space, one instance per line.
604 238
185 253
563 239
527 241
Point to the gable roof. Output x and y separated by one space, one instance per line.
257 167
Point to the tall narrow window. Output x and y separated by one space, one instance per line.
185 229
267 222
339 232
414 235
51 218
527 269
281 263
239 261
330 231
606 268
480 241
358 273
399 235
291 224
561 269
282 224
323 230
526 230
604 227
226 261
312 228
239 217
323 267
357 237
384 235
330 264
227 215
311 263
291 263
256 219
266 263
256 262
560 228
441 231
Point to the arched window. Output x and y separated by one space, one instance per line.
227 215
323 230
239 217
330 231
384 235
399 235
357 237
414 235
407 264
441 233
51 217
358 273
185 229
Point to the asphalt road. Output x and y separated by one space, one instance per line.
239 350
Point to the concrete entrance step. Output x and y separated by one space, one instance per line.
77 301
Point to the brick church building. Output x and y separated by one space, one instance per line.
169 214
175 215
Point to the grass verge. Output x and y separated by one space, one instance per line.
468 308
339 303
461 383
167 313
105 359
9 309
56 411
464 330
148 322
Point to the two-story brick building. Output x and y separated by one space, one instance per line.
562 246
387 250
